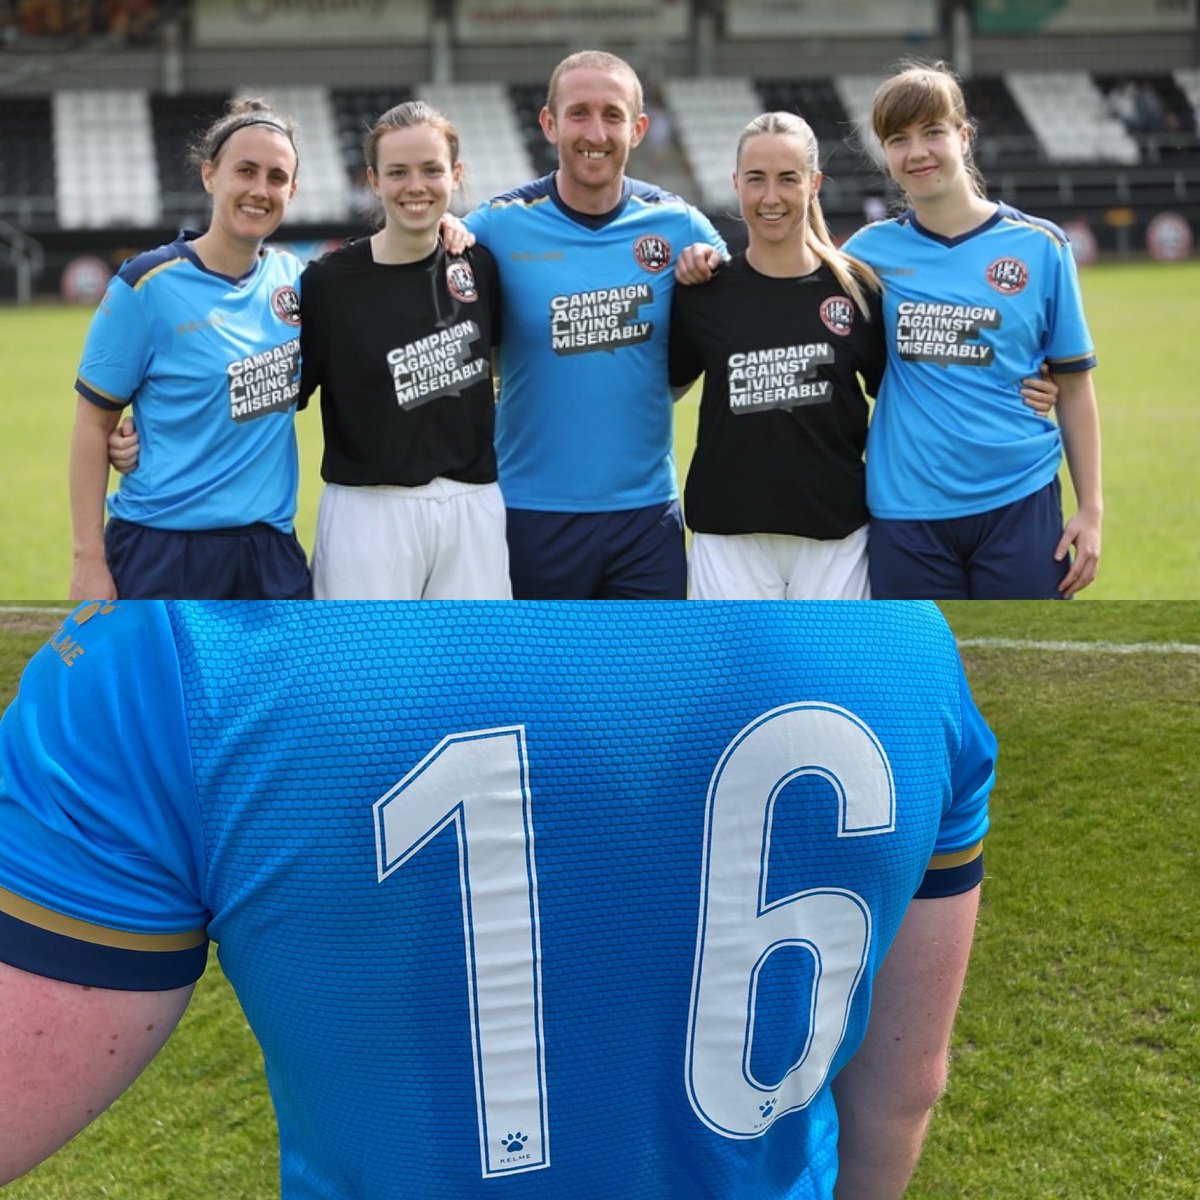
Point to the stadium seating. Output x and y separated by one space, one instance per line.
709 114
104 161
1165 127
26 171
527 100
1067 112
491 143
120 155
324 191
177 120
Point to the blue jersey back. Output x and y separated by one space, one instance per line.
211 366
584 421
528 900
967 319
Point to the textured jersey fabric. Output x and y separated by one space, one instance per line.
402 355
531 900
584 422
783 418
967 319
211 366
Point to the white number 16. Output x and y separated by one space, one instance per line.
477 783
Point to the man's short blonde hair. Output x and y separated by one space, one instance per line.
599 60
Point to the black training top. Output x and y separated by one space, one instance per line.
402 355
783 417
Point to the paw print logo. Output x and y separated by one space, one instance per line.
768 1108
515 1141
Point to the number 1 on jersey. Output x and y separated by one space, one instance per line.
477 783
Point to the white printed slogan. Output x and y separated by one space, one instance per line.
437 365
944 333
781 377
605 319
264 383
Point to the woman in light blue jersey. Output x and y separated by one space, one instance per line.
789 336
202 338
963 479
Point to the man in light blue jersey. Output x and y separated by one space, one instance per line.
620 885
584 423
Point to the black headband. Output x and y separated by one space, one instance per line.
233 128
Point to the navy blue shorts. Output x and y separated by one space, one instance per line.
1004 554
252 562
633 555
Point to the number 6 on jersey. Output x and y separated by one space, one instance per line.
739 929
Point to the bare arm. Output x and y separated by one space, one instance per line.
1079 421
69 1052
90 578
886 1093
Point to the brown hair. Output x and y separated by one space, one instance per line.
409 115
599 60
240 113
921 94
850 273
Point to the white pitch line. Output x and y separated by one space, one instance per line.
1081 647
983 643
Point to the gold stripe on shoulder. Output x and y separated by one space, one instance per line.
84 931
171 262
523 201
1058 241
944 862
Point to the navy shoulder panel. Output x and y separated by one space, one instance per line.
133 270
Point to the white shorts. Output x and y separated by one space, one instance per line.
776 566
443 540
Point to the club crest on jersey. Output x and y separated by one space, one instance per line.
652 252
837 315
1008 276
460 279
286 303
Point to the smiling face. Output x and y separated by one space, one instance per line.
775 188
594 125
251 183
414 177
928 160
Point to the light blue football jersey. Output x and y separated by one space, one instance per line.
524 900
584 418
211 366
967 319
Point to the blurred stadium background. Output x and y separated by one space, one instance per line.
1087 109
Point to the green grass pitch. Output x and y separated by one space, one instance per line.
1077 1047
1143 319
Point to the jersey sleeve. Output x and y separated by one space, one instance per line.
876 356
101 857
957 863
312 352
705 231
1069 346
685 362
484 264
478 221
116 354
